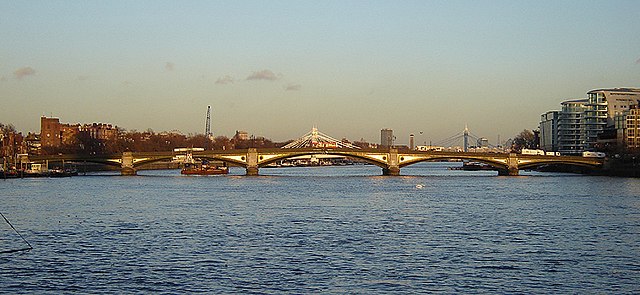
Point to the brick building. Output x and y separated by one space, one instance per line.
632 130
55 134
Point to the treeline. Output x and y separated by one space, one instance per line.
150 141
6 129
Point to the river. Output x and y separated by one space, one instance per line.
328 230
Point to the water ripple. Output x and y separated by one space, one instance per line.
313 232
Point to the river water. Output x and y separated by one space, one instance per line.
329 230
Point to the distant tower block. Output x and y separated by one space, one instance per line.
411 138
386 137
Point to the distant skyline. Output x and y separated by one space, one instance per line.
278 68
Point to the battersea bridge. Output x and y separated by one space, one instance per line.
391 160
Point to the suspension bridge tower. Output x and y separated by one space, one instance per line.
466 139
317 139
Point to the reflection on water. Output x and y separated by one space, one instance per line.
324 230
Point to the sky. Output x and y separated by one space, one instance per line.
278 68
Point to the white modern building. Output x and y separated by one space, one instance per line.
602 107
549 131
576 127
563 131
571 127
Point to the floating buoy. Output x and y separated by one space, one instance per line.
419 186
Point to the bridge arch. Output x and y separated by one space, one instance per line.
495 164
221 158
105 162
289 155
140 163
559 162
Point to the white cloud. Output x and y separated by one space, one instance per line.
226 79
23 72
263 75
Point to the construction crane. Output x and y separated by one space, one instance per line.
207 129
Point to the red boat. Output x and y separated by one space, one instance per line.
204 169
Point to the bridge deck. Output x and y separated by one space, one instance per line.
390 159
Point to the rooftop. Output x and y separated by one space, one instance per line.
623 89
575 100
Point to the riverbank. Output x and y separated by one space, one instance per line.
623 166
618 166
80 169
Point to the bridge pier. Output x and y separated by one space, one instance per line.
252 162
127 171
391 171
512 166
127 168
252 171
508 172
392 168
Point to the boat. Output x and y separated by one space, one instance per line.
35 170
204 168
13 173
472 166
58 172
34 173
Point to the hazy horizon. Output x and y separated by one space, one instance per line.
276 69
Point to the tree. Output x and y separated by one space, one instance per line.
524 140
222 143
6 129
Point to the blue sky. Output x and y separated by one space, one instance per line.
277 68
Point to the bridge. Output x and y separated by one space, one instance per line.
390 159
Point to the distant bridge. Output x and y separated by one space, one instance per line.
390 160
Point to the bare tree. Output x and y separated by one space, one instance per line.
6 129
